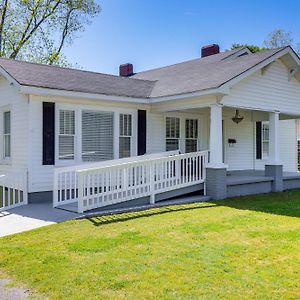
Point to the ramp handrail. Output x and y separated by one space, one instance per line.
95 186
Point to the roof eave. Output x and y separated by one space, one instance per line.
32 90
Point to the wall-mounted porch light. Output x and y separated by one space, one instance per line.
237 118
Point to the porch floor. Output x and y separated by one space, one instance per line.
250 176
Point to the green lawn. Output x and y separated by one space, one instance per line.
246 248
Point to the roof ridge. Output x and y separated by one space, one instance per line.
190 60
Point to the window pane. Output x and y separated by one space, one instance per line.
124 146
7 145
191 128
172 127
190 145
97 136
66 147
172 144
6 122
125 125
265 139
67 122
265 149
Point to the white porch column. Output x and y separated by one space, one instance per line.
216 170
274 146
274 167
216 137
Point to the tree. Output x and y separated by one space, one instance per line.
278 38
38 30
252 48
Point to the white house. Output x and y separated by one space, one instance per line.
97 139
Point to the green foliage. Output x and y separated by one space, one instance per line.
38 30
276 39
242 248
252 48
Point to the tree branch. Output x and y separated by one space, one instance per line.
25 37
3 16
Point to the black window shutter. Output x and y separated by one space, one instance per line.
48 133
142 127
258 140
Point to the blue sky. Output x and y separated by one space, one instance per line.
155 33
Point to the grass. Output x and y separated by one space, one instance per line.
245 248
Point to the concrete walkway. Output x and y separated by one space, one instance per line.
31 216
12 293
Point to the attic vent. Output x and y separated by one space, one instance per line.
243 54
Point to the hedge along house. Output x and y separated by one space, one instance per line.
224 123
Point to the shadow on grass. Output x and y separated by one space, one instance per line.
285 203
97 221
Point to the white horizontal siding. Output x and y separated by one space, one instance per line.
288 145
240 155
270 90
155 133
18 105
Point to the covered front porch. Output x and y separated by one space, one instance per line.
247 147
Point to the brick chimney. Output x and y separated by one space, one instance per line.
210 50
126 70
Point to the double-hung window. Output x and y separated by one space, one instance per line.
172 133
125 135
7 134
66 137
265 139
191 135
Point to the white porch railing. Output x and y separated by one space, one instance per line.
13 190
65 188
121 180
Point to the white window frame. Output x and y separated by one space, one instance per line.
196 137
58 108
127 132
6 159
263 140
67 134
173 137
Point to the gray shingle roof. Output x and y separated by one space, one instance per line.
38 75
187 77
201 74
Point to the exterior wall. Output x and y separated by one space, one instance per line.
41 177
11 100
267 90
